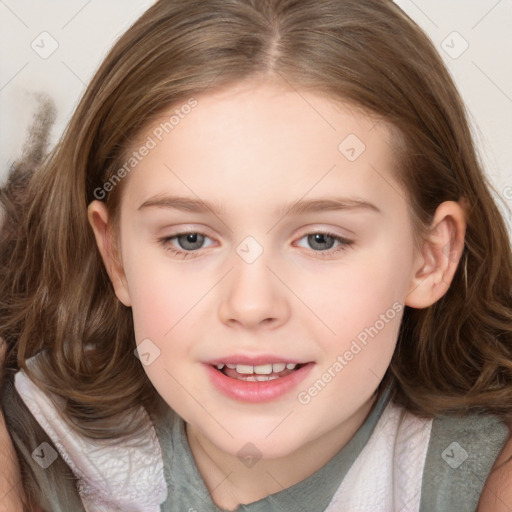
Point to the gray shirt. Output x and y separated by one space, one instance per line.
461 452
446 486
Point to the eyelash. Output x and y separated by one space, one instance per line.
345 243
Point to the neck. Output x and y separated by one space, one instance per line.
231 483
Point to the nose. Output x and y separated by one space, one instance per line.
253 297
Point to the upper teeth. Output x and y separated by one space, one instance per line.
264 369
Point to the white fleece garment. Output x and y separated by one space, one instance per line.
128 476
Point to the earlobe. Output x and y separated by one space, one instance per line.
439 257
99 220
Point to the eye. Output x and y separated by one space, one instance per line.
184 244
190 241
323 242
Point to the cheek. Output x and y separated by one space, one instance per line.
163 302
161 295
355 294
361 303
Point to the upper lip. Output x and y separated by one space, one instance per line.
258 360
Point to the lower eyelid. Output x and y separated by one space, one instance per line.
343 243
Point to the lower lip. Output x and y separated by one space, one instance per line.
257 392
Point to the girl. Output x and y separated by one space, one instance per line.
262 270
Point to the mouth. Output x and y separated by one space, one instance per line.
258 373
257 378
261 381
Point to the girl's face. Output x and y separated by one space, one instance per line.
299 250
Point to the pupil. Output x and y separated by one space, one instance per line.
191 241
319 241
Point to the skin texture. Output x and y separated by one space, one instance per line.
10 488
252 150
497 493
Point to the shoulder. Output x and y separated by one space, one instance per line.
115 473
481 436
11 490
497 493
461 453
44 472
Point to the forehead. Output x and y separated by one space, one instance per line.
262 145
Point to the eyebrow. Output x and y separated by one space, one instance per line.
192 205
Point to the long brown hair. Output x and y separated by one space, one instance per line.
55 295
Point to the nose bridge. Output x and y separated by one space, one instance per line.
253 295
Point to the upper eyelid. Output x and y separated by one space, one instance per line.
339 238
327 232
331 231
313 232
186 232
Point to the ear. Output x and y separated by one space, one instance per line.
439 256
99 219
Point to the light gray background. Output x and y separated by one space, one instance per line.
84 30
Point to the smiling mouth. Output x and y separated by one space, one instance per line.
258 373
